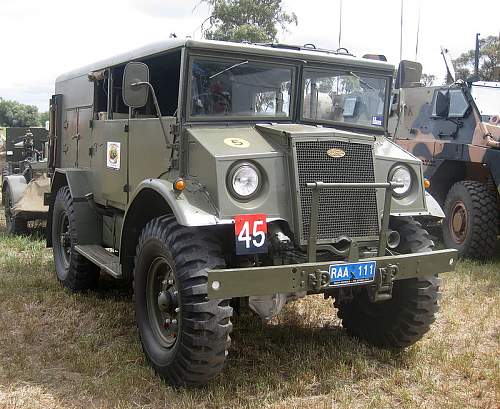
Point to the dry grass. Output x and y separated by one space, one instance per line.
64 351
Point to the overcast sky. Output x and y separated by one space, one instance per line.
42 39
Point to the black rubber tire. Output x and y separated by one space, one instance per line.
482 219
14 225
76 273
403 320
201 347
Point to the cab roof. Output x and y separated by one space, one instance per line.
274 50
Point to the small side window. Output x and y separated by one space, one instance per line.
458 104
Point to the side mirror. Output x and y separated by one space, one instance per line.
442 104
409 73
135 84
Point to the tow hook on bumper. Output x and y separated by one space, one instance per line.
381 290
319 279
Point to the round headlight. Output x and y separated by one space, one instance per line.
401 174
244 181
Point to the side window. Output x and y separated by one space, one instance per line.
458 104
101 86
164 75
118 108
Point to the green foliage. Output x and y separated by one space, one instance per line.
489 58
43 117
255 21
13 113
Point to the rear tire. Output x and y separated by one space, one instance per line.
404 319
14 224
471 223
184 335
73 270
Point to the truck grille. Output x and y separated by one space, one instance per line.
342 212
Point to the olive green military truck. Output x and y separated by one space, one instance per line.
208 174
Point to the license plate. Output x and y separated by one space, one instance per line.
352 273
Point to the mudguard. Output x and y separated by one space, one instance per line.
191 207
88 221
17 185
433 206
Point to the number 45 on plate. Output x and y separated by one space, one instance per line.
250 233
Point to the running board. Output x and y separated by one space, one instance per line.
102 258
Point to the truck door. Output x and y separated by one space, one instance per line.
109 162
69 144
84 137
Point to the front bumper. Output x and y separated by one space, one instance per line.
315 278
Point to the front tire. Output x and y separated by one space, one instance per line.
73 270
184 335
404 319
471 221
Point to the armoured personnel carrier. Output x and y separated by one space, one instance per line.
455 130
204 173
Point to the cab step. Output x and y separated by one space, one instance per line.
102 258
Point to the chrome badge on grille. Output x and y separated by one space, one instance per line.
335 153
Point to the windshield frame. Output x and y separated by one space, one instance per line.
235 59
333 70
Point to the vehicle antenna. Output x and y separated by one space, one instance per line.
418 29
401 34
340 21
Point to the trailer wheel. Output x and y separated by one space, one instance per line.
406 318
73 270
14 224
184 335
471 223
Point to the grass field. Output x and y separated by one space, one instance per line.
63 350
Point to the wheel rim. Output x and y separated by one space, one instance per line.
458 222
65 240
162 302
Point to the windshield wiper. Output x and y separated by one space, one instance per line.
362 81
227 69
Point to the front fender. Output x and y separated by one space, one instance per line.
433 206
191 207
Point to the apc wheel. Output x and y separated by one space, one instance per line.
404 319
471 219
14 224
73 270
184 335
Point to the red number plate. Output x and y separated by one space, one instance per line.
250 233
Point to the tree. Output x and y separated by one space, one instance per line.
43 117
427 79
489 58
13 113
255 21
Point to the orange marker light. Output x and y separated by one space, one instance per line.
427 183
179 185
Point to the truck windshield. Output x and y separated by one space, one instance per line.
487 98
347 97
239 88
